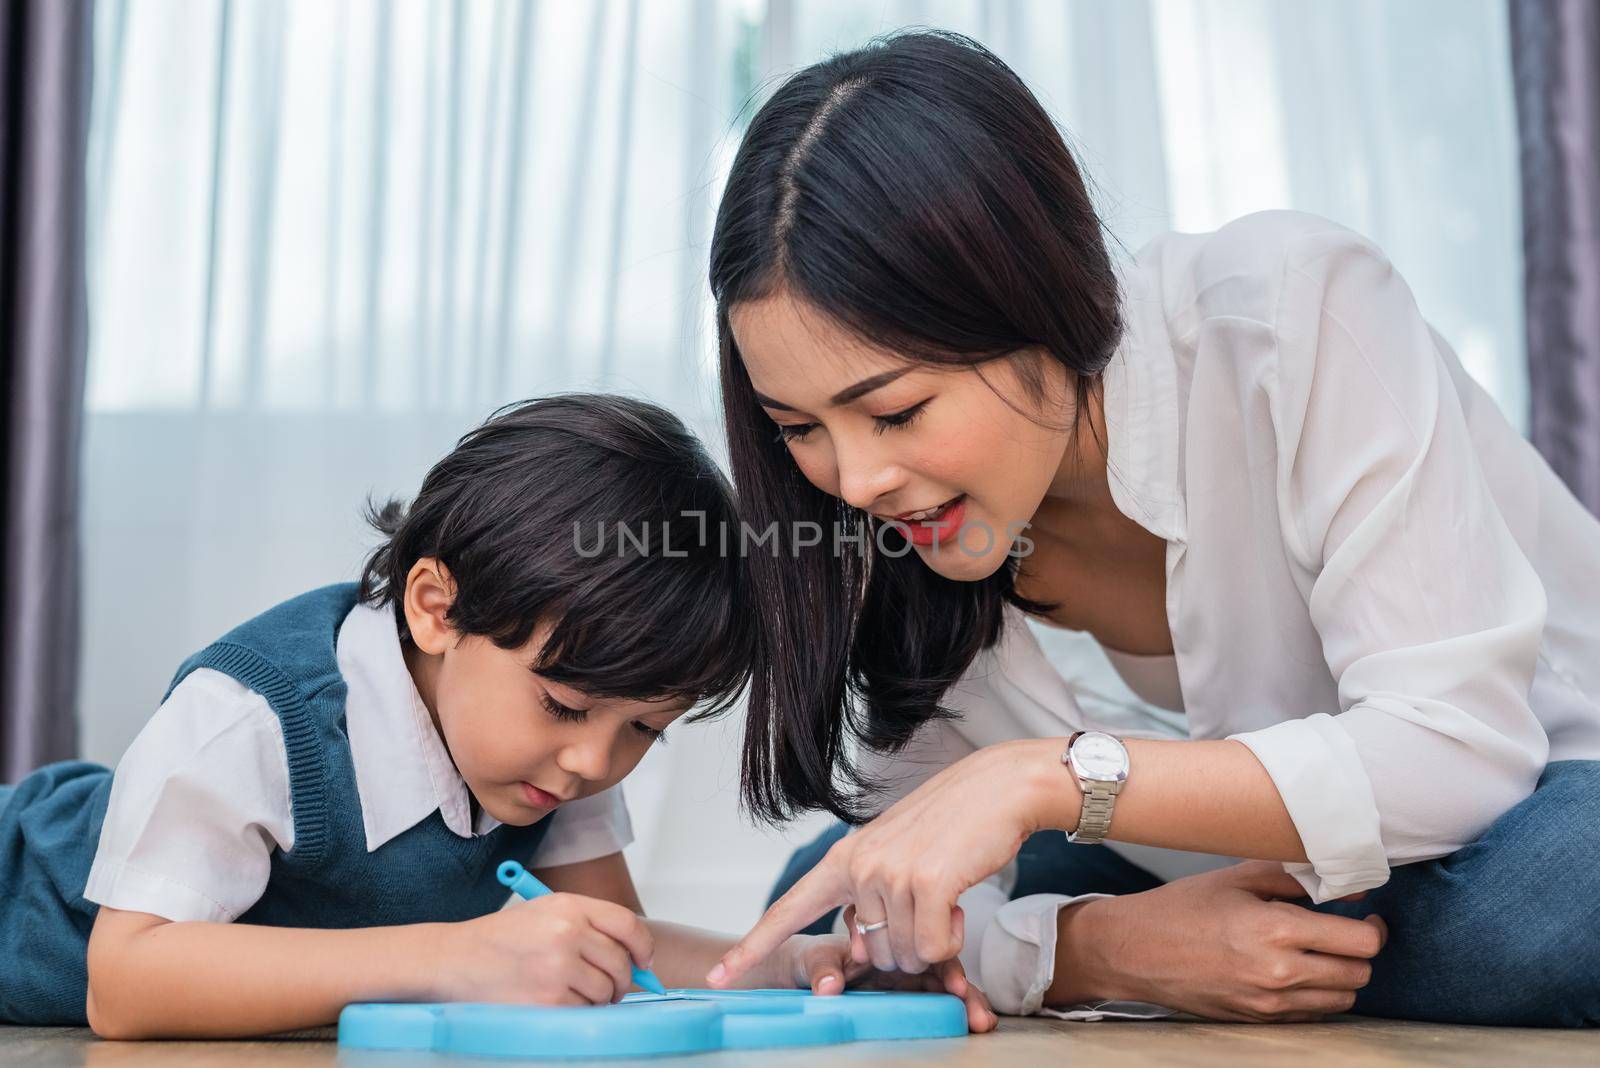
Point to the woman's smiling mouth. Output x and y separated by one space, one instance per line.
925 513
933 526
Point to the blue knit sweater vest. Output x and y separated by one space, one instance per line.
50 827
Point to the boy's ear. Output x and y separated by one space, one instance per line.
430 591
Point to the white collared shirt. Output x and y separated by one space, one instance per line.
201 798
1373 581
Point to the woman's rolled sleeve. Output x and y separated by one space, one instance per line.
1319 774
1429 614
1016 964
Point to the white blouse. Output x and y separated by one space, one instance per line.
1373 581
201 798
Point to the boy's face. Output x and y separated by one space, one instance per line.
523 744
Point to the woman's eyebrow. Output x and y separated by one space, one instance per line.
844 396
867 385
767 402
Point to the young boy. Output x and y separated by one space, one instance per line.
315 813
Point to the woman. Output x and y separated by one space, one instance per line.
1251 472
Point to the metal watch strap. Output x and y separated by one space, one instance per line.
1094 821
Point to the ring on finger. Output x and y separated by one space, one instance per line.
868 928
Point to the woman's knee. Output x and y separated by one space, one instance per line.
1507 929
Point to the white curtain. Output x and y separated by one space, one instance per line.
327 238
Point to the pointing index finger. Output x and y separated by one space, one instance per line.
817 892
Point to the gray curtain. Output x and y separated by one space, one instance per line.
45 65
1556 64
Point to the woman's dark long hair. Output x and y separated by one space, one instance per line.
917 193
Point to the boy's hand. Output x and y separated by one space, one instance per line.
563 949
823 963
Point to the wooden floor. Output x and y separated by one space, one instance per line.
1349 1042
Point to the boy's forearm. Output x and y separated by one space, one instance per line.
685 954
215 980
219 980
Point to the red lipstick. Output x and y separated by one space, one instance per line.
942 527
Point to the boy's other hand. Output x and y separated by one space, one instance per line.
824 963
563 949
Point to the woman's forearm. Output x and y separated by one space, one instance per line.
153 979
909 865
1201 796
1077 975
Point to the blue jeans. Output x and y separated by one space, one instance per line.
1505 930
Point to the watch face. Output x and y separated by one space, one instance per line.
1100 756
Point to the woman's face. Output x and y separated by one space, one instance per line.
963 456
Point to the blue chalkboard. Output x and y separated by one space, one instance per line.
679 1021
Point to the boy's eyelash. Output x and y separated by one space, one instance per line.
561 711
893 420
651 733
576 715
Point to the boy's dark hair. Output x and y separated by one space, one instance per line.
525 513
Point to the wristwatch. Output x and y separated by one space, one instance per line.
1100 762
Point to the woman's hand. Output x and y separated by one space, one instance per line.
825 964
1224 945
563 949
907 867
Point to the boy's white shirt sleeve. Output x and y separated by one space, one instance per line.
198 803
585 829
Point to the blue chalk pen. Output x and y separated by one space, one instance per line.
523 883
